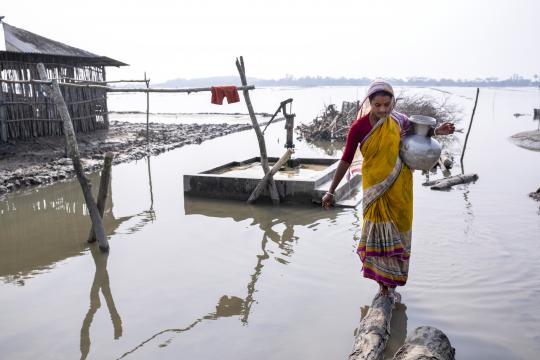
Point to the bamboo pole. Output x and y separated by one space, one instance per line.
103 190
264 182
127 90
73 150
3 118
147 82
469 130
260 137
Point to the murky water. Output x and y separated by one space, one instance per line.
200 279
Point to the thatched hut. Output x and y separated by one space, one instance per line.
25 110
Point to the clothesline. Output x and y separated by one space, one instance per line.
127 90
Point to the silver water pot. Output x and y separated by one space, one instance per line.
417 149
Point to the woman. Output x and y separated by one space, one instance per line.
385 243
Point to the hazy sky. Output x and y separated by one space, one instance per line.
392 38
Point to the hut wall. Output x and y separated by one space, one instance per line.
27 112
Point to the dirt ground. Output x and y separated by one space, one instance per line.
43 160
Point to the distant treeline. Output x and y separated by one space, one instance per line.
308 81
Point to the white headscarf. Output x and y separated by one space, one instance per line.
375 86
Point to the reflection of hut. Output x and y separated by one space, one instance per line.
25 111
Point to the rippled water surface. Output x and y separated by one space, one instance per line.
204 279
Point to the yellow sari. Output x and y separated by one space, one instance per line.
385 242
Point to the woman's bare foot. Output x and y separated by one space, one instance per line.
383 289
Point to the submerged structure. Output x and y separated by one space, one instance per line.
305 182
25 110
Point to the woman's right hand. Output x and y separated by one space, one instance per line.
327 201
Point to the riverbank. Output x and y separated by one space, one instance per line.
43 160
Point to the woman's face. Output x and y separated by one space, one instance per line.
380 105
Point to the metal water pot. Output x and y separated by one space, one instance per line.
418 150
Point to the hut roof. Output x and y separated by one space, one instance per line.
20 41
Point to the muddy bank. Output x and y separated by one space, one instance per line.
527 139
43 160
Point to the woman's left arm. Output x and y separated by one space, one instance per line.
446 128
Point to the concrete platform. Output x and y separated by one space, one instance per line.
304 184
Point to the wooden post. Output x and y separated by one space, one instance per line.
374 329
3 118
147 82
103 190
468 131
105 106
426 342
260 137
73 151
264 182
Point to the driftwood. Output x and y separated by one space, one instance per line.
444 184
374 329
73 151
263 183
424 343
103 190
260 137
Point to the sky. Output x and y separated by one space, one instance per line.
457 39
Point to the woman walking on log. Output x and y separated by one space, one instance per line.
385 243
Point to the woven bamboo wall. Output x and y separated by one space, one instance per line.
26 111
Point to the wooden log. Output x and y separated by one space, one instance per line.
103 190
447 183
260 137
374 329
264 182
73 151
426 342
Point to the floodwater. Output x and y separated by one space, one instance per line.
203 279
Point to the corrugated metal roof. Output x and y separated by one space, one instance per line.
25 42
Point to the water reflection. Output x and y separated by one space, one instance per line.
267 218
101 282
43 226
469 214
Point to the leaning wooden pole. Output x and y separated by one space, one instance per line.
264 182
73 151
260 137
103 190
374 329
469 130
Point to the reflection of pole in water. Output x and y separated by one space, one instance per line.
101 281
468 211
232 305
152 213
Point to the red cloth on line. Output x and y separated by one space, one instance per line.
220 92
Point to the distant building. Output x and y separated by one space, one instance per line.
25 110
